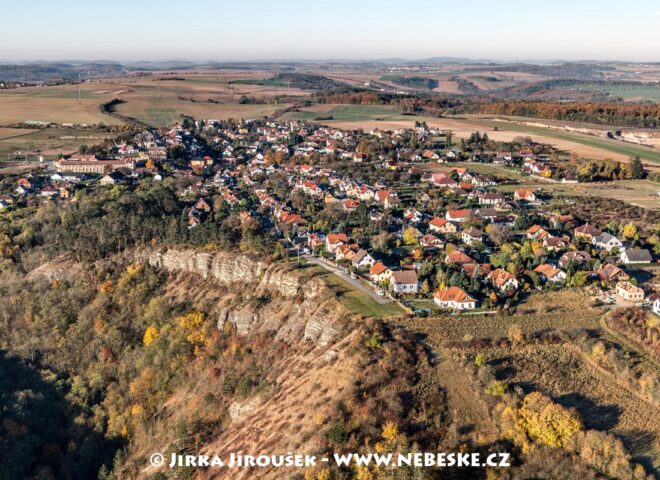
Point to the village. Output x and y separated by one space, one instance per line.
405 216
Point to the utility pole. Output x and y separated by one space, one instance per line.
79 82
158 89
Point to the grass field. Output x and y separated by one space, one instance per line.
642 193
602 403
6 133
540 311
355 300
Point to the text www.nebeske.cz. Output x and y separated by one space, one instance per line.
349 459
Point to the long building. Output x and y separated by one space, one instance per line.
91 164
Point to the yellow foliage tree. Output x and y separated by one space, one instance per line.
150 334
390 432
192 325
410 236
630 231
546 422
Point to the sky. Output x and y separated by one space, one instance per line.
221 30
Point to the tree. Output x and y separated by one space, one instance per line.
410 236
580 279
630 231
150 334
636 168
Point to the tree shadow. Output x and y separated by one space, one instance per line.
40 435
594 416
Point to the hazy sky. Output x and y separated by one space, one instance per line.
339 29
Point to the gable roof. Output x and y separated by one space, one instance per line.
406 277
499 277
377 268
453 294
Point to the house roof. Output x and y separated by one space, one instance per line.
499 277
453 294
438 222
459 257
461 213
359 255
334 238
587 229
609 271
377 268
638 255
547 270
406 277
604 237
474 232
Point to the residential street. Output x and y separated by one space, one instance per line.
353 281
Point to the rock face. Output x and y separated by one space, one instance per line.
239 411
302 309
227 268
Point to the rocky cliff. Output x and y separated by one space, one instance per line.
289 303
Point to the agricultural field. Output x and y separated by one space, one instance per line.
49 142
6 133
200 95
631 93
55 104
586 146
346 114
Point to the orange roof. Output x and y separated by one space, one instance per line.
547 270
458 257
453 294
462 213
377 268
337 237
438 222
499 277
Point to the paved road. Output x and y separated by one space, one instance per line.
353 281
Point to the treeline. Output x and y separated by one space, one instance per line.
625 114
106 222
422 83
430 104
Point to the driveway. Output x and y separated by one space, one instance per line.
353 281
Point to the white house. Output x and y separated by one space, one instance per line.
454 298
636 255
656 304
472 236
607 241
404 281
362 259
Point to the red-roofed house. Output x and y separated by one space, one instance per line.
454 298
